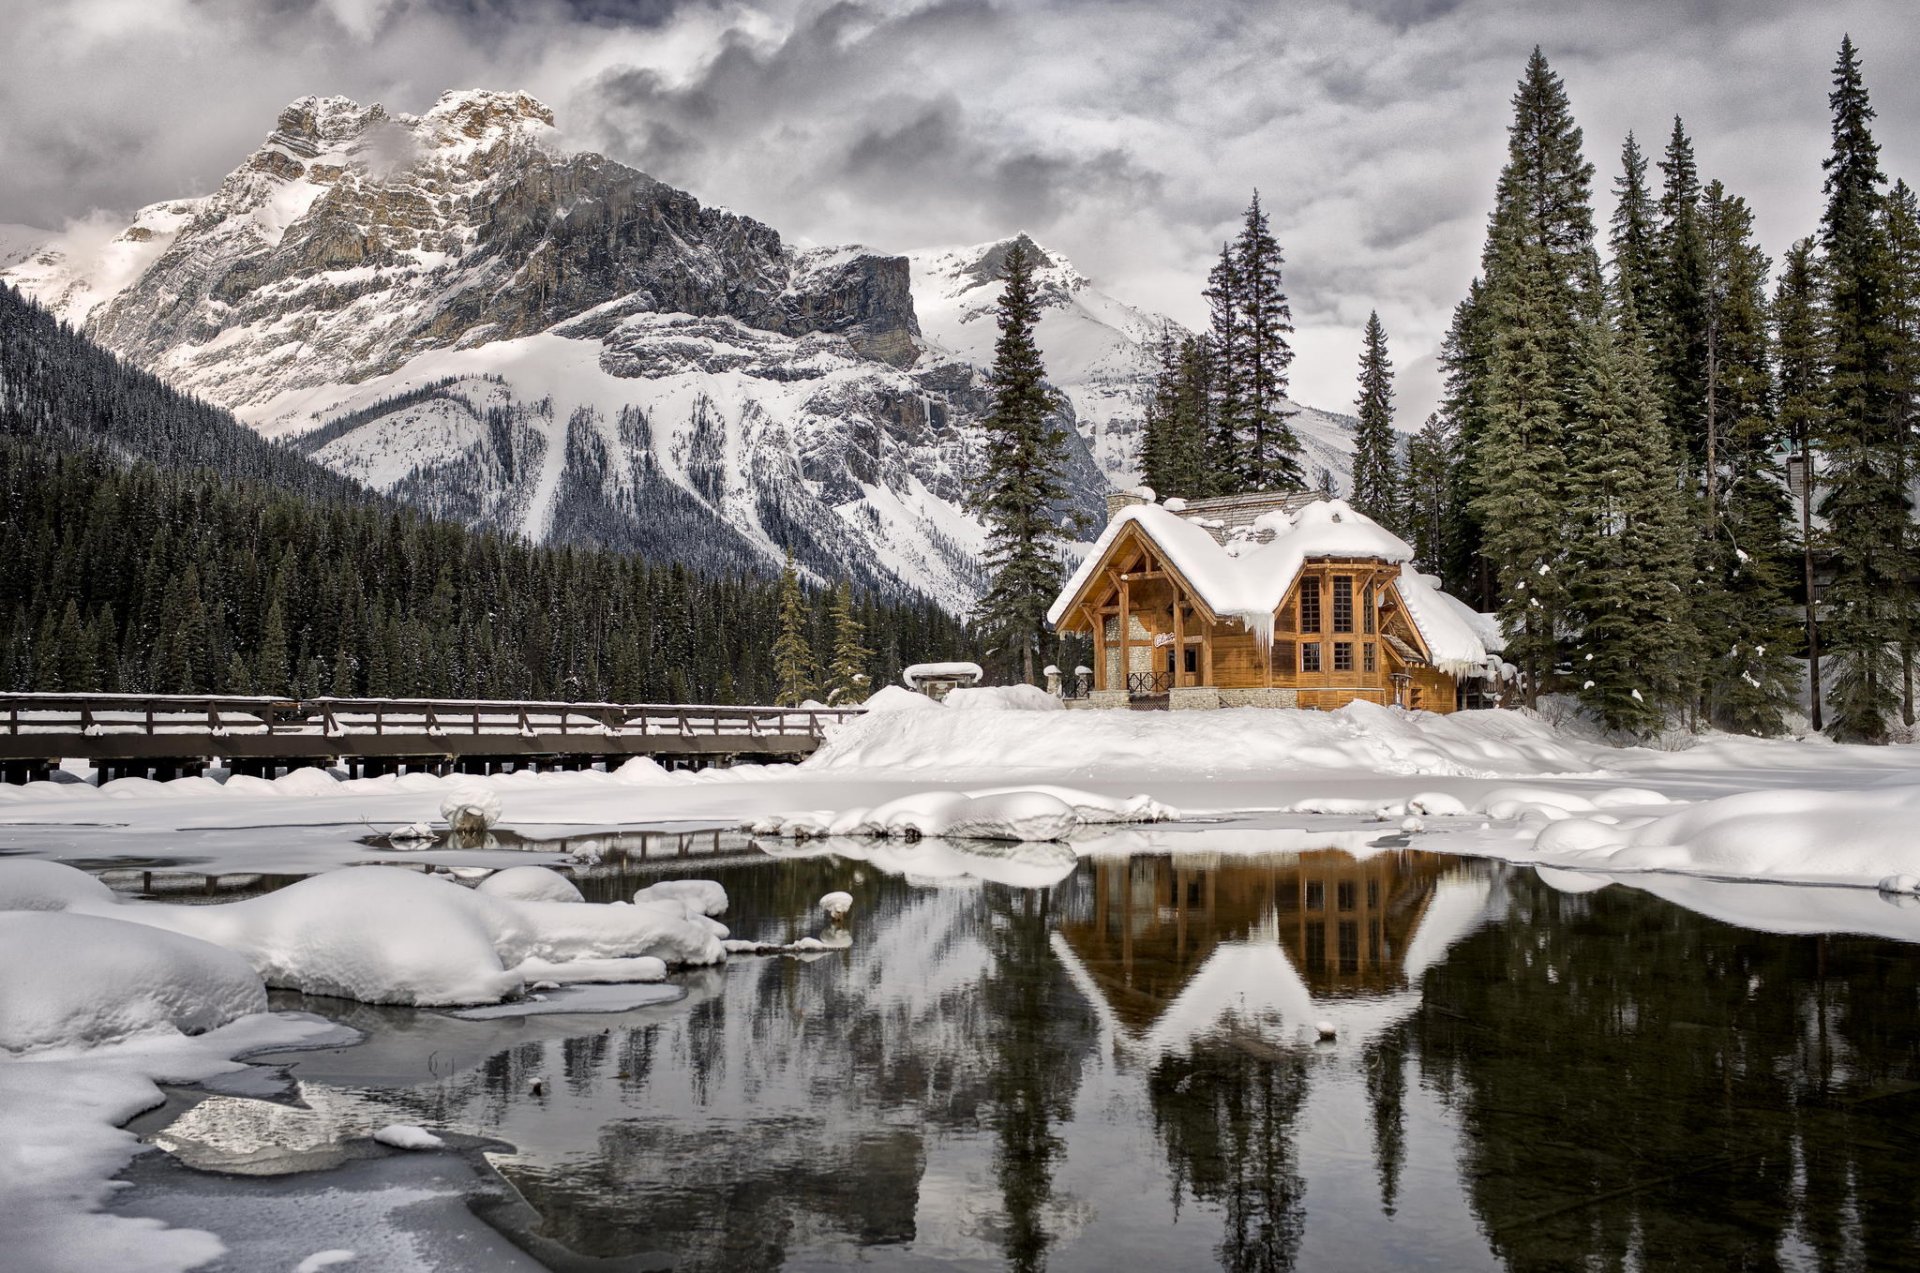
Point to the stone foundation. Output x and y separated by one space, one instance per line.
1259 698
1108 698
1190 698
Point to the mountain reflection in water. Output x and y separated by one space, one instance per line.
1120 1071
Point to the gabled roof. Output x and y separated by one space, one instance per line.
1248 577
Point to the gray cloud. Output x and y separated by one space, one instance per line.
1125 134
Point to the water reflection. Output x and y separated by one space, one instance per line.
1112 1071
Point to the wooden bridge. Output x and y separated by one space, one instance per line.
167 736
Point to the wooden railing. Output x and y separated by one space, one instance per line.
182 725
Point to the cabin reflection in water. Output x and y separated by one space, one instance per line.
1342 925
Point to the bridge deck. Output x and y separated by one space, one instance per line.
134 731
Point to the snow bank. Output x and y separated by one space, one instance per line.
407 1136
892 698
1005 698
1025 814
1859 836
385 935
1238 742
70 981
530 884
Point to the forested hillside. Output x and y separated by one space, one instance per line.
149 543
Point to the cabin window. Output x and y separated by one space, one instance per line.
1369 659
1373 895
1310 656
1349 939
1342 603
1345 895
1366 609
1309 604
1193 660
1343 656
1316 895
1316 935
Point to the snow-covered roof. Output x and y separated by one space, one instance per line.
1248 577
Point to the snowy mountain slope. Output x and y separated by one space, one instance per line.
1101 352
18 242
455 310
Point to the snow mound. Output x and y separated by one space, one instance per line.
702 897
1004 698
77 981
643 771
407 1136
530 884
1233 742
1023 814
1857 837
382 934
836 905
893 698
30 884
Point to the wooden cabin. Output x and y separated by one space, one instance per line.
1273 600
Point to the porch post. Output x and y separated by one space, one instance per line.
1126 633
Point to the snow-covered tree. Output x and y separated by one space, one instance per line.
848 680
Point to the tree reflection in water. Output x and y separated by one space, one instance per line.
1117 1072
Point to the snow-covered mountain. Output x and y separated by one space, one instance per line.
453 308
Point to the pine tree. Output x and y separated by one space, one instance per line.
1864 506
1465 357
1800 360
1903 304
1226 349
1270 454
274 663
848 677
1431 464
1679 326
793 661
1513 363
1520 467
1630 552
1022 483
1740 605
1634 237
1376 460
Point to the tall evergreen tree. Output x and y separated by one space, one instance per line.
1903 258
1377 484
848 678
1431 466
1542 287
1270 454
1022 483
1679 325
1630 550
1864 505
794 667
1226 347
1520 466
1740 604
1465 360
1800 360
1634 237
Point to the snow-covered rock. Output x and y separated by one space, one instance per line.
703 897
407 1136
471 808
78 981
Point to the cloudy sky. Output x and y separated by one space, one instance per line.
1124 135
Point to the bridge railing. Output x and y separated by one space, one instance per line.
226 714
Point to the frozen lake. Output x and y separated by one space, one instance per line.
1113 1061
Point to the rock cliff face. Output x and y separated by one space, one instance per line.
453 308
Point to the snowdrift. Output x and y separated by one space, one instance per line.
1859 836
1238 742
386 935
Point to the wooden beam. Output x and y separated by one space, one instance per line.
1126 633
1179 645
